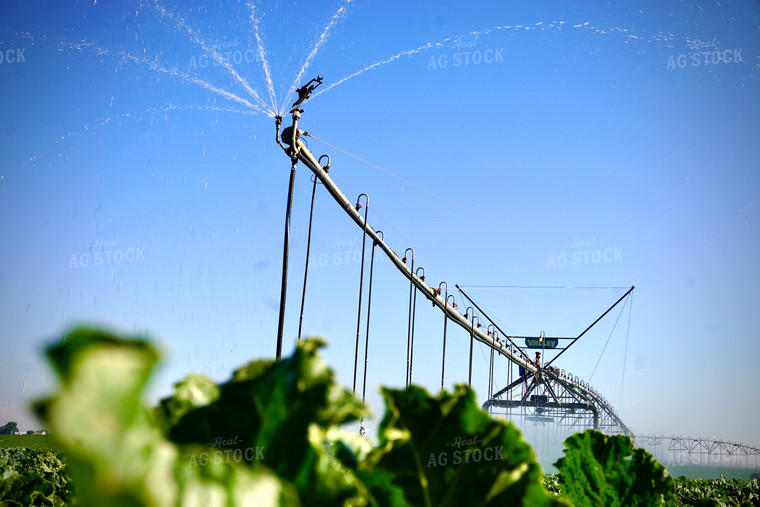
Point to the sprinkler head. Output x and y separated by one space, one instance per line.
305 90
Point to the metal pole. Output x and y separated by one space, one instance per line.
361 282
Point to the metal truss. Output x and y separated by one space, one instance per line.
542 394
698 446
551 395
547 392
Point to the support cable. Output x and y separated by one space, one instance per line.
607 342
538 287
522 352
590 326
625 355
463 208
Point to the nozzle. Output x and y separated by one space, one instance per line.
305 90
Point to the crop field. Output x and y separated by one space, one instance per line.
26 441
290 448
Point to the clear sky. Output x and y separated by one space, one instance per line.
598 145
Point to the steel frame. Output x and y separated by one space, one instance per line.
551 393
542 394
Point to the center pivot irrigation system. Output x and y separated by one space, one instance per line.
538 392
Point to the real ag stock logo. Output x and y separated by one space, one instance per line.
13 55
584 252
222 52
223 454
465 450
107 252
703 53
466 54
343 252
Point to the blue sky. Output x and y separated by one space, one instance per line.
594 134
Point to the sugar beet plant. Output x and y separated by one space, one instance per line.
271 435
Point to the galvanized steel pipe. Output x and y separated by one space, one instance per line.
311 162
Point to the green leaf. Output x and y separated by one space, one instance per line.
445 451
283 411
607 470
33 477
192 392
713 492
117 454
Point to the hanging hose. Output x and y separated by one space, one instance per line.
443 364
308 245
361 282
492 334
409 321
366 340
490 379
285 253
414 315
445 321
472 342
